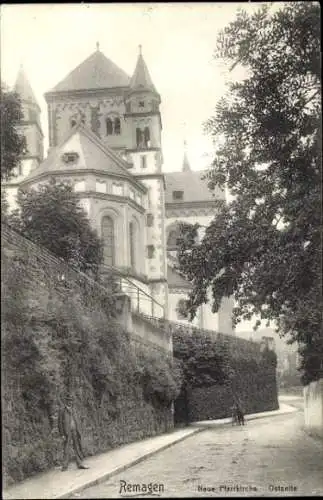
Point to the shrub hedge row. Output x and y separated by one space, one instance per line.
215 375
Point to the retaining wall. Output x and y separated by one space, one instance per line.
313 408
37 289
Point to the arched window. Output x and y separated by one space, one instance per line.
117 126
147 137
109 126
150 251
108 240
150 220
138 137
132 242
143 160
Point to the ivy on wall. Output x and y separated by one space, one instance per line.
161 379
59 338
217 372
202 360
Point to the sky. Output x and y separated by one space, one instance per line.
178 42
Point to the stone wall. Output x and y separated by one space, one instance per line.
150 333
58 336
313 408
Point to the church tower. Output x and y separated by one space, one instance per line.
30 124
144 120
144 151
29 127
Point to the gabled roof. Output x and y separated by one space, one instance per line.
96 72
23 87
193 186
92 155
141 79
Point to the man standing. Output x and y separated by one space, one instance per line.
69 430
237 413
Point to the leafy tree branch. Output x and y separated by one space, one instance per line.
264 246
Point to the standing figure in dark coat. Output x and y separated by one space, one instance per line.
69 429
237 414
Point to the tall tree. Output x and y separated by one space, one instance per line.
51 216
13 143
264 245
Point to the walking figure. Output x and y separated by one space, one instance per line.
69 429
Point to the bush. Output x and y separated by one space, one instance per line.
160 378
203 361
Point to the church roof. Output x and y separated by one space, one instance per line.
92 154
23 87
141 79
96 72
192 185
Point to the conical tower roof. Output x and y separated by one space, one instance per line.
23 87
96 72
141 79
186 164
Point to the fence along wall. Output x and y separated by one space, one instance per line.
117 417
49 270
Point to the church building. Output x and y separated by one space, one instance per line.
105 131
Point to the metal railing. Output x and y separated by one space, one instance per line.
235 343
141 301
116 279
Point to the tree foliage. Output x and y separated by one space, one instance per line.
264 245
52 217
13 144
160 378
203 361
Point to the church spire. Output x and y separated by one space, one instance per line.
141 79
23 88
186 164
